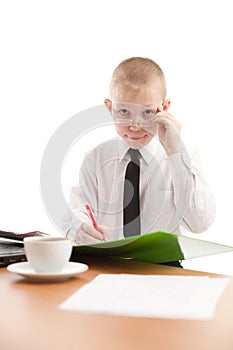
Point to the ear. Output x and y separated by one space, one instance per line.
166 105
108 104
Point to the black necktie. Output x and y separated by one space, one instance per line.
131 201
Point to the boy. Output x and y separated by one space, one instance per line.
144 181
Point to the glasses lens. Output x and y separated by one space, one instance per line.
147 123
129 113
121 121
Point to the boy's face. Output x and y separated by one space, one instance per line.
140 108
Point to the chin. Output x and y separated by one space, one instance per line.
137 144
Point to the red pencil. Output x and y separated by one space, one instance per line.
94 223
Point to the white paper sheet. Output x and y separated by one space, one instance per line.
177 297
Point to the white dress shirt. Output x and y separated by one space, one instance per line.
174 195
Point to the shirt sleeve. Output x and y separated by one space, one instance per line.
84 192
193 201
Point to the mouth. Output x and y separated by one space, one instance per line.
133 138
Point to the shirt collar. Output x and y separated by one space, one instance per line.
148 152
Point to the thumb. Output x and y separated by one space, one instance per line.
105 232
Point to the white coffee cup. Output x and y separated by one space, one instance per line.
47 254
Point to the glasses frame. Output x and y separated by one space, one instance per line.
130 122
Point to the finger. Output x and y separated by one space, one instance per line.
91 231
167 116
106 233
167 122
84 238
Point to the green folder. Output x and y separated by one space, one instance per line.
157 247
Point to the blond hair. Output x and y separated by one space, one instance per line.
137 74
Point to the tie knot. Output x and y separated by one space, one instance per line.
134 154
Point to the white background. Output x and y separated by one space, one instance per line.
57 58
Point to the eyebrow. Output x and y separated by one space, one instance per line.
131 103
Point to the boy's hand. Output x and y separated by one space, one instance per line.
168 129
87 234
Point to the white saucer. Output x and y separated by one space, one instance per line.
70 270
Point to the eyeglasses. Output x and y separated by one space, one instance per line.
129 113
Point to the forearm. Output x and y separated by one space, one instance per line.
193 201
81 194
72 221
201 211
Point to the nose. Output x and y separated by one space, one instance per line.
136 121
135 127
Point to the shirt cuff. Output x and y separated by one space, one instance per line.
71 234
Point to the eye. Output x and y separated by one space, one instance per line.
124 111
149 113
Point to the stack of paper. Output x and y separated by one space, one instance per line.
177 297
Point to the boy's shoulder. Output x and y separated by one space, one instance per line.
106 148
113 142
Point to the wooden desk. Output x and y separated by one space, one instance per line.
30 318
